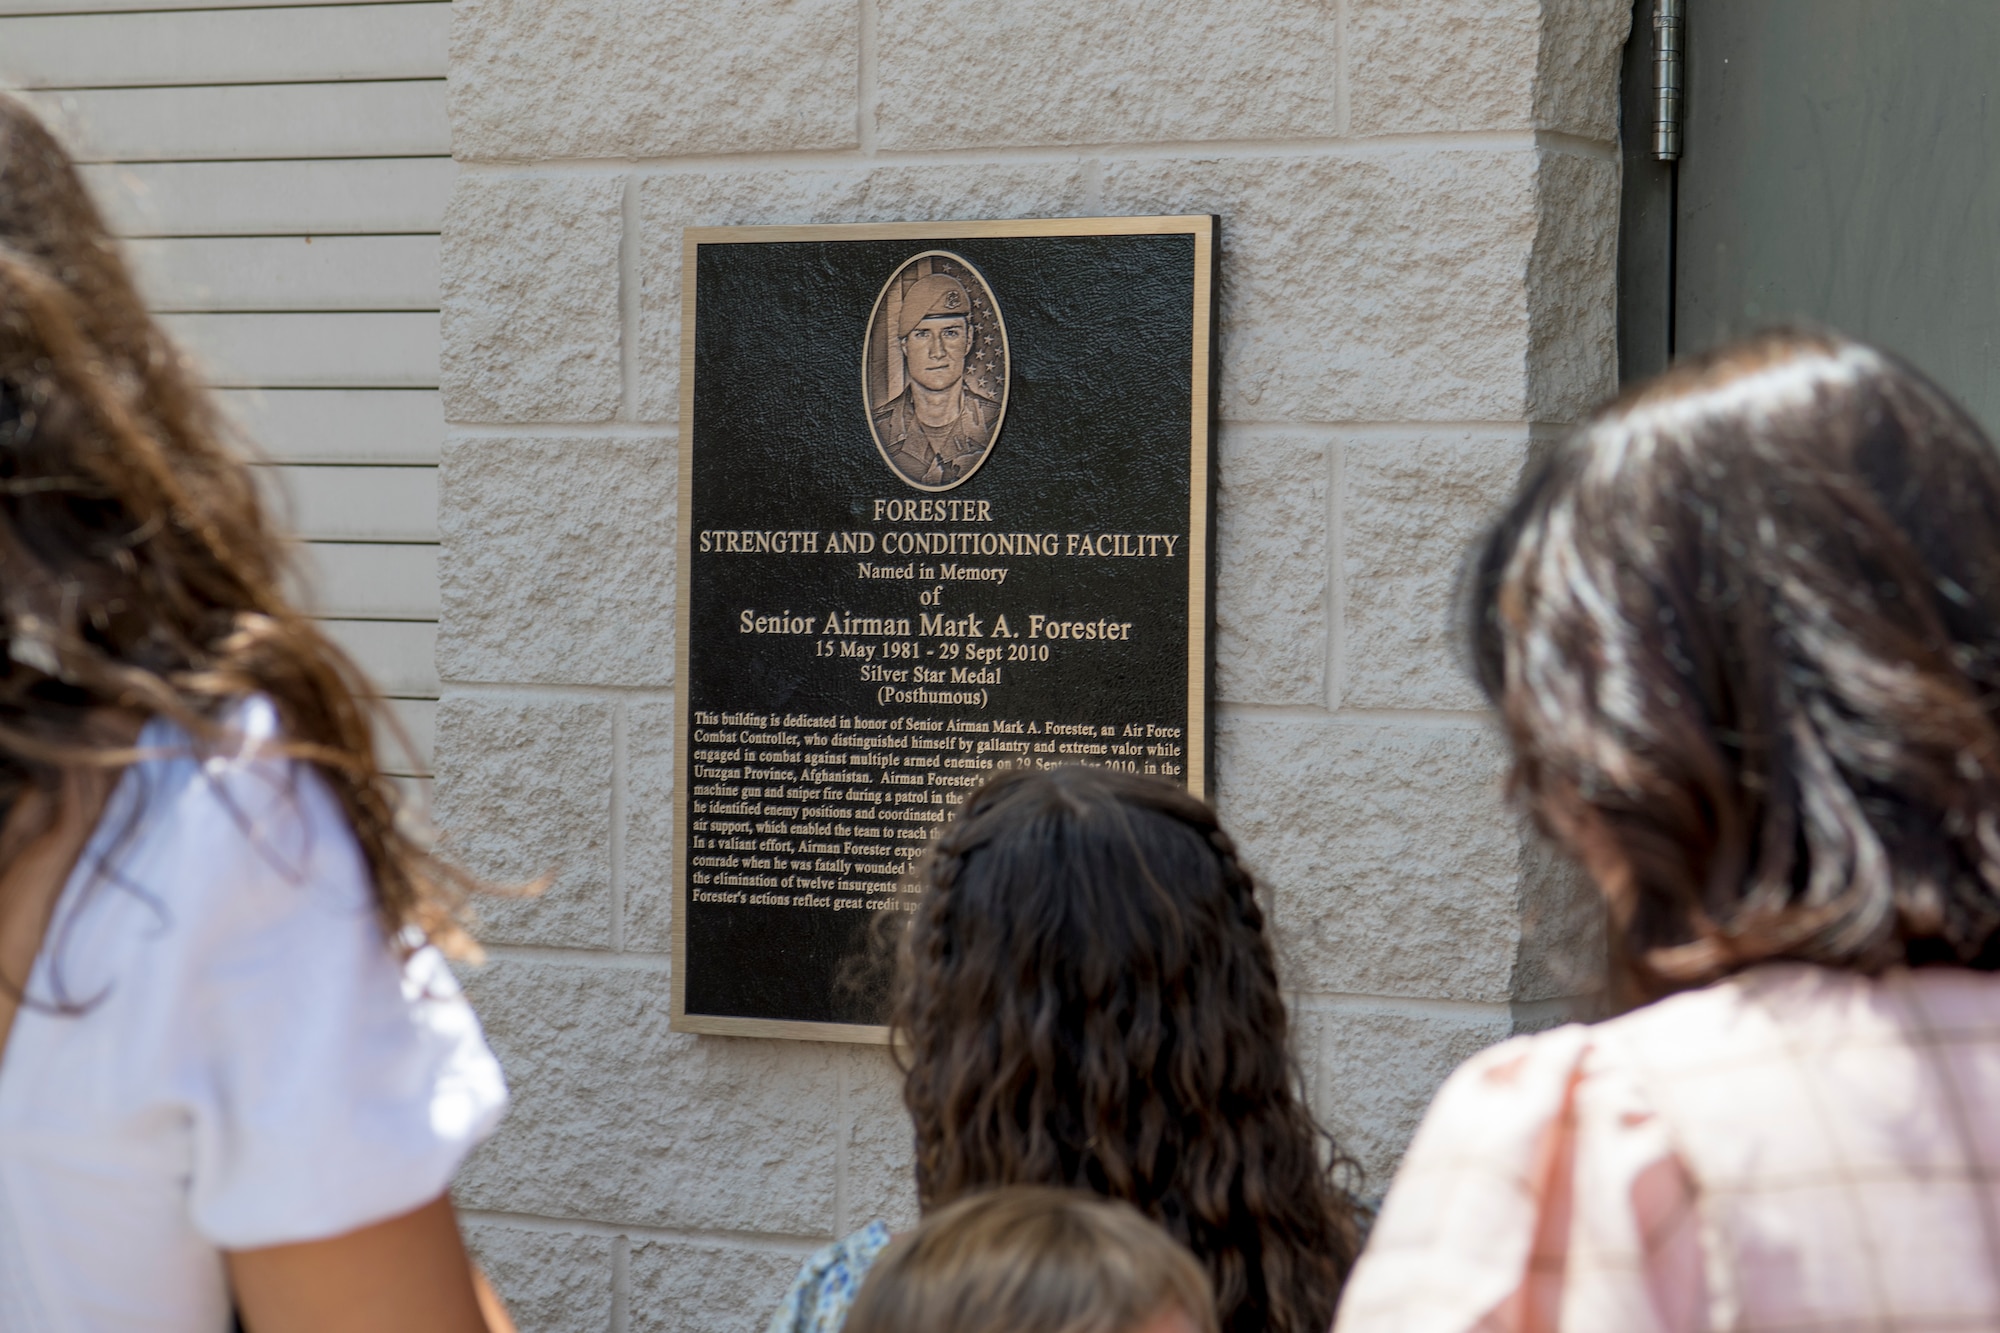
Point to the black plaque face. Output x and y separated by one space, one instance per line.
993 549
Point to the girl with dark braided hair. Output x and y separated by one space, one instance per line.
1086 997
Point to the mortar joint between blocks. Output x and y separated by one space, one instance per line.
621 1284
1343 113
1519 139
619 766
629 301
1336 574
866 76
844 1131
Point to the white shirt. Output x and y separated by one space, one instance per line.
244 1060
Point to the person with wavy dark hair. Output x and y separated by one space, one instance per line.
1087 998
237 1072
1743 631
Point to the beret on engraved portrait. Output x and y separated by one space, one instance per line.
940 295
934 370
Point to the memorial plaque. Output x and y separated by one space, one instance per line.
945 505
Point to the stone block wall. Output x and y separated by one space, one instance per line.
1419 208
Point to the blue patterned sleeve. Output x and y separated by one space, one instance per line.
827 1283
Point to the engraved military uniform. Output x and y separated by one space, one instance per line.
940 456
935 455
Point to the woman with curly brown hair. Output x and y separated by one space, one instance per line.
234 1071
1087 999
1743 631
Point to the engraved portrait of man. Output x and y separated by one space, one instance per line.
936 371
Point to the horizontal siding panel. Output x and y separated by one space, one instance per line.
340 425
330 197
386 504
418 719
398 656
128 6
324 351
415 794
359 581
289 273
332 43
261 121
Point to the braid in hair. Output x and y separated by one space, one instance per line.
1088 998
1234 876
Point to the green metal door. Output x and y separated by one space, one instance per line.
1837 166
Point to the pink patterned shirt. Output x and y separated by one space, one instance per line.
1792 1149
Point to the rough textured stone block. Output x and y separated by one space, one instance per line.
1576 90
618 1120
1382 1068
523 791
881 1172
551 1281
649 827
1480 65
530 273
1103 71
1573 288
685 1288
558 561
1388 863
883 194
1411 509
1562 930
1271 569
1442 65
1382 287
651 78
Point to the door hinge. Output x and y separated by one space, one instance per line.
1669 77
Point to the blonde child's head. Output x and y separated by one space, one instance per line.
1035 1260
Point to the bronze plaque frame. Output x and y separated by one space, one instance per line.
937 236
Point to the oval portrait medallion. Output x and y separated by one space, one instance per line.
934 370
